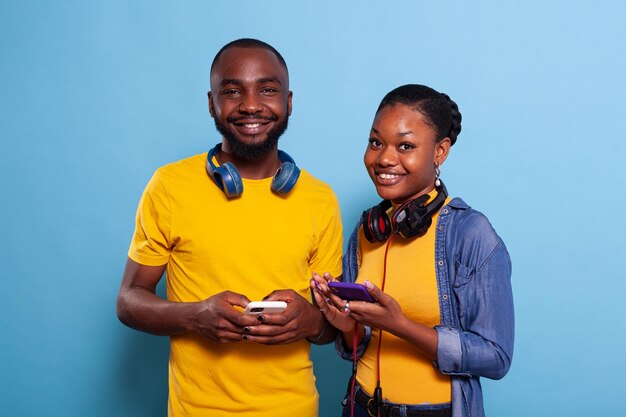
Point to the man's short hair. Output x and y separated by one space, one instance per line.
249 43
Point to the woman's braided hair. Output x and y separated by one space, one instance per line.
438 108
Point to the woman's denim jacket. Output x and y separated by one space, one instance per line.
475 337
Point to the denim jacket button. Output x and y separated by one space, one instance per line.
445 296
440 263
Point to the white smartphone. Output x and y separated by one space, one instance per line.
258 307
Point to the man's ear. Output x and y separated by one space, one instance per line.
289 96
211 106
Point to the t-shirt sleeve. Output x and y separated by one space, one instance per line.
327 256
150 244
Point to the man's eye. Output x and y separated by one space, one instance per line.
268 90
231 92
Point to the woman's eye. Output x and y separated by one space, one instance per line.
406 147
373 142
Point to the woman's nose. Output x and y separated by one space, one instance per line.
387 157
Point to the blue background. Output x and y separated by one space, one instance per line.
94 96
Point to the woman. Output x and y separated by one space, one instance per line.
438 272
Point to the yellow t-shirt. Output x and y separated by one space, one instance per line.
250 245
406 375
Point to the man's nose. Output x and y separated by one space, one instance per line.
251 104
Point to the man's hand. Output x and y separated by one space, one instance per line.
215 318
301 319
219 321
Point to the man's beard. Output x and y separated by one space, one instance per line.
252 150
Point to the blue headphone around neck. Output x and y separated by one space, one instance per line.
228 179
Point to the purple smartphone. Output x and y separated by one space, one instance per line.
350 292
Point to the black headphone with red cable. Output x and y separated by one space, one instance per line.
411 219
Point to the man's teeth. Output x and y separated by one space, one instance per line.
388 176
252 125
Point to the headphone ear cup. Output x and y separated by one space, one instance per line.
424 226
285 178
376 225
227 175
414 217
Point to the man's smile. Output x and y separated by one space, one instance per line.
251 127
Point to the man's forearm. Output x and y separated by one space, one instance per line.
143 310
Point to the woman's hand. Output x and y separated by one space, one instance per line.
385 313
329 304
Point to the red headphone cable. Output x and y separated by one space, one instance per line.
378 392
353 379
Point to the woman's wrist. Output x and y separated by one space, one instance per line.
348 336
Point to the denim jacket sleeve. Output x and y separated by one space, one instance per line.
346 353
478 340
350 272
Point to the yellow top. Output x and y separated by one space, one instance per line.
252 245
406 375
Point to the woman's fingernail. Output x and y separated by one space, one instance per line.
368 285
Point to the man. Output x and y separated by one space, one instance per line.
227 229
